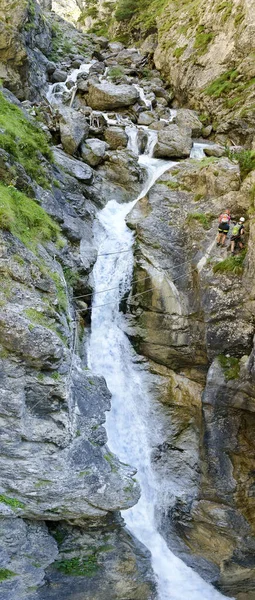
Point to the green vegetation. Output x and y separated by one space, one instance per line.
111 460
6 574
204 219
198 197
232 264
83 566
246 160
39 318
179 51
71 276
24 218
125 10
61 46
13 502
223 85
202 39
26 143
116 73
230 366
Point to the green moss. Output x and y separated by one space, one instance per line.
202 41
61 291
111 460
24 141
198 197
42 482
39 318
56 375
13 502
116 73
83 566
179 51
204 219
24 218
223 85
6 574
232 264
230 366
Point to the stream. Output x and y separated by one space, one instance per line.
133 425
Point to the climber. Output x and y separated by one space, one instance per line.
223 230
237 232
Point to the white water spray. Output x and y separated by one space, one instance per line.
132 425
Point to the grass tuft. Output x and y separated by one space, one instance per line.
232 264
84 567
13 502
204 219
6 574
230 366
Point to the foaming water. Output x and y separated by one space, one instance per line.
133 425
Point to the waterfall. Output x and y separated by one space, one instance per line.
133 425
56 91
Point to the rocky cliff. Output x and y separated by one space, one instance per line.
64 152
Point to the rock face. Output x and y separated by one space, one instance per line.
195 316
107 96
173 142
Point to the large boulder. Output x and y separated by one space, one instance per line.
73 167
173 142
146 118
116 137
93 152
107 96
186 118
73 129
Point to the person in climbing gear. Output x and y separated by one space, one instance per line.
237 232
224 220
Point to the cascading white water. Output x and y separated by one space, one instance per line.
56 91
197 150
132 425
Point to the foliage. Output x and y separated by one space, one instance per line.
6 574
125 10
116 73
84 566
24 141
13 502
246 160
202 40
230 366
222 85
232 264
202 218
179 51
24 218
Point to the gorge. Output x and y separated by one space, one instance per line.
126 334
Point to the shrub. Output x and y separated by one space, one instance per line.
246 160
232 264
230 366
116 73
125 10
203 219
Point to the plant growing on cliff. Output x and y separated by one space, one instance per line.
6 574
230 366
204 219
246 160
116 73
232 264
12 502
24 218
84 566
26 143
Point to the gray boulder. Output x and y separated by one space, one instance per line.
116 137
115 46
146 118
188 119
73 167
59 76
215 150
107 96
93 151
173 142
73 129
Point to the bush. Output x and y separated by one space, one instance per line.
246 160
230 366
232 264
125 10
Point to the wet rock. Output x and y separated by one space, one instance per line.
146 118
93 152
58 76
74 167
116 137
173 142
107 96
73 129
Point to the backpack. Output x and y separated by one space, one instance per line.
236 229
224 218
